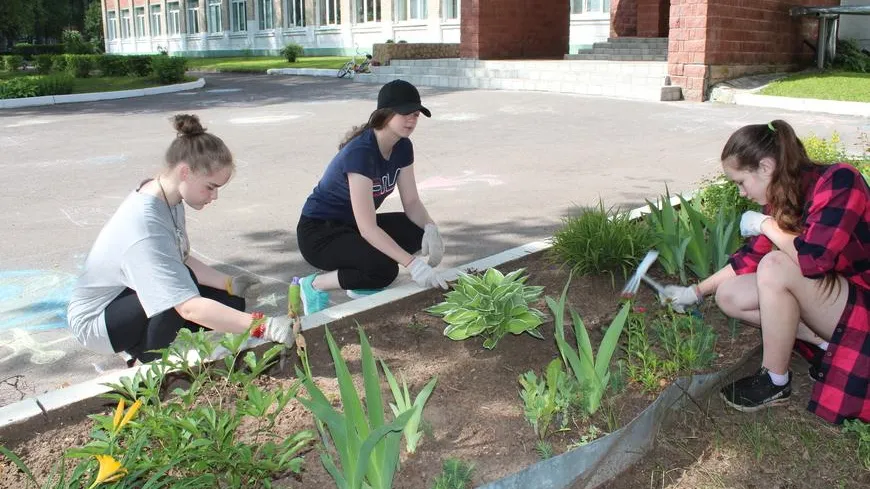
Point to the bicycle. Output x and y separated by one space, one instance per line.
352 67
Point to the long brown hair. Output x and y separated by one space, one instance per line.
378 120
203 152
777 141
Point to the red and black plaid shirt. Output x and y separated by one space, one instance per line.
835 238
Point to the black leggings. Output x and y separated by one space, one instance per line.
338 245
131 331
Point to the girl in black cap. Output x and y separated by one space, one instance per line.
340 231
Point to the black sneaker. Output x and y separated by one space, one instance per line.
815 369
756 392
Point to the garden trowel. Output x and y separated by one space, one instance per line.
630 289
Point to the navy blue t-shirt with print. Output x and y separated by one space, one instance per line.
330 199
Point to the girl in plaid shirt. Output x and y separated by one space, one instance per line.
803 275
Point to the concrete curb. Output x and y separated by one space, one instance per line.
52 400
302 71
15 103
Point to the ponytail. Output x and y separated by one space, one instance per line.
377 120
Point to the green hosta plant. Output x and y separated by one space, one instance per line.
491 305
592 371
403 404
366 445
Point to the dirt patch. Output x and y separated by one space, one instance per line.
474 414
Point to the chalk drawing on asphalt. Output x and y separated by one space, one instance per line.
265 119
453 183
22 343
34 300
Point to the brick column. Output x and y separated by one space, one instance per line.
623 18
652 18
503 29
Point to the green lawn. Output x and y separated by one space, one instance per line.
101 84
835 85
260 64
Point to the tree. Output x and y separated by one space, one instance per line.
93 25
16 20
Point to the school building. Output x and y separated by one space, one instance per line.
703 41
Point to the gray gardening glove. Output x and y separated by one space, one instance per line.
424 275
279 329
433 245
679 298
244 285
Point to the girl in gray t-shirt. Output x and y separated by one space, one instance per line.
140 284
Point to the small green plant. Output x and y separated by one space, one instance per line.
22 86
862 432
183 441
545 398
403 404
492 305
600 240
645 367
455 474
592 433
591 371
688 341
291 52
544 449
366 445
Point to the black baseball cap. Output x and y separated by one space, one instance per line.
401 97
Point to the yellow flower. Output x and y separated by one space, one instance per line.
118 422
110 470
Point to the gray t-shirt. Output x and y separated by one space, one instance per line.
138 248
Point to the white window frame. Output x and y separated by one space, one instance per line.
193 17
410 10
215 19
173 18
329 12
126 23
156 15
139 21
265 15
367 11
447 6
111 25
238 15
584 7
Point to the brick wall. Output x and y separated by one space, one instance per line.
384 52
502 29
652 18
714 40
623 18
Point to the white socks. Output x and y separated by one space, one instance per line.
778 379
823 345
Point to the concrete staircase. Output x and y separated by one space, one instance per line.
626 49
633 80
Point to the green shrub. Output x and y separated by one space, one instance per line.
139 65
80 65
169 69
19 87
291 52
43 63
59 84
13 62
59 63
28 51
75 43
599 240
720 193
851 57
112 65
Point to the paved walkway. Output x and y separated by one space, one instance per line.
497 169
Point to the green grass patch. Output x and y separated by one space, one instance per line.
834 85
260 64
114 84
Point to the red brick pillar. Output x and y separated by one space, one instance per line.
652 18
623 18
687 47
503 29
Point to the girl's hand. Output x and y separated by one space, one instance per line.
432 246
679 298
244 285
750 223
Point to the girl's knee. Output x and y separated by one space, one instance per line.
774 269
382 275
733 297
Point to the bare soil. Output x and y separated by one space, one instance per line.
475 413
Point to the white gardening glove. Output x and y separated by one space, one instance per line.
750 223
279 329
433 246
424 275
244 285
679 298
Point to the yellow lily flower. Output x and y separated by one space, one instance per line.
110 470
118 422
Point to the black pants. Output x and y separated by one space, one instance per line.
131 331
338 245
